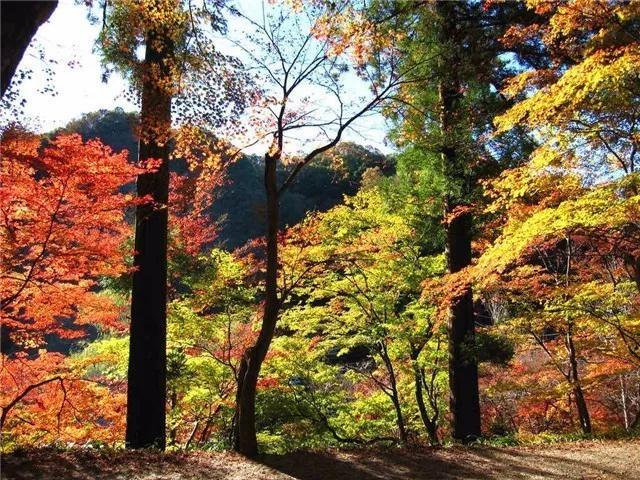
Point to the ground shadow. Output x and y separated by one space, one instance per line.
84 464
588 460
454 463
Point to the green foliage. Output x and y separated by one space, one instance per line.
361 310
106 357
492 347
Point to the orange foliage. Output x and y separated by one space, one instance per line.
39 407
62 227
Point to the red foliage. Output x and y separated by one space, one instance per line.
190 224
62 227
43 400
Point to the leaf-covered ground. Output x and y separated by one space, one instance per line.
581 460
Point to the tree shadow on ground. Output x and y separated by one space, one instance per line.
588 460
83 464
440 463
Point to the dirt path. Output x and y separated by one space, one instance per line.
583 460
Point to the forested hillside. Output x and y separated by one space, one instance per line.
238 205
229 266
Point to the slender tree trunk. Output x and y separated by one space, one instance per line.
204 435
463 371
395 398
636 421
173 433
147 376
583 411
402 429
429 424
192 435
578 394
20 22
418 377
245 440
623 399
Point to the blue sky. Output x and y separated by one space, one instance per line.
68 40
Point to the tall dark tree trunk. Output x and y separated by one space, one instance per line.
20 22
574 378
147 376
464 399
245 440
463 371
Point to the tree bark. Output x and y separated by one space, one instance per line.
623 400
402 430
464 396
147 376
578 394
20 22
418 377
463 371
245 440
583 411
395 398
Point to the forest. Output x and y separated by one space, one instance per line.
373 239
